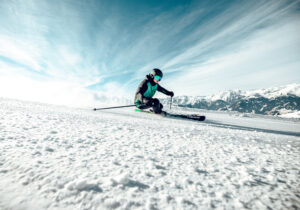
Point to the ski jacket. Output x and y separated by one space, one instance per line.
147 89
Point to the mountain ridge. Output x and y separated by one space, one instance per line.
279 101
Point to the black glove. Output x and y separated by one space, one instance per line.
171 93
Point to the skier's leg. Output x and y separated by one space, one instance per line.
142 105
161 106
157 106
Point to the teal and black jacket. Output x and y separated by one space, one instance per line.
147 89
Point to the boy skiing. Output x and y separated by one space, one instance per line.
146 90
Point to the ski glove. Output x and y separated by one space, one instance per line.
171 93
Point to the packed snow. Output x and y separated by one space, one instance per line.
55 157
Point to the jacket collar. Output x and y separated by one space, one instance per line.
150 79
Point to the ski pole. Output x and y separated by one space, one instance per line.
114 107
171 102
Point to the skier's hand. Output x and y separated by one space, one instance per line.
171 93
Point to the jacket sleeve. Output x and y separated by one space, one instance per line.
141 90
163 90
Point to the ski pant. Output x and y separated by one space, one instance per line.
151 102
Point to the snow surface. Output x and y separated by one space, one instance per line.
55 157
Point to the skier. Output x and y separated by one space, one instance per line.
146 90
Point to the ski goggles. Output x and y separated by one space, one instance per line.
158 78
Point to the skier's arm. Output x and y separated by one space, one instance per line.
141 90
164 91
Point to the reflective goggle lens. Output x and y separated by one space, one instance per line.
158 78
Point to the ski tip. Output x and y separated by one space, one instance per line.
94 109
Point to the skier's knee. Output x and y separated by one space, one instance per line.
155 102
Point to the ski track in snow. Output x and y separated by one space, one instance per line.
64 158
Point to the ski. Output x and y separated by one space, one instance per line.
182 116
187 116
144 111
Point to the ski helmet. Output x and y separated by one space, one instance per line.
156 72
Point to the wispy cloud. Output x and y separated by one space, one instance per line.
219 36
17 51
265 58
102 49
229 30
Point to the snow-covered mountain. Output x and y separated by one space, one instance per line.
283 101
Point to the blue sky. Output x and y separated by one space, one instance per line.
85 52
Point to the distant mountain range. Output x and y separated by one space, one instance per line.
272 101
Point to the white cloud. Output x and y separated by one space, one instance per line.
258 62
218 53
25 88
69 57
20 51
229 29
17 83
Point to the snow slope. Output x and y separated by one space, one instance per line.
64 158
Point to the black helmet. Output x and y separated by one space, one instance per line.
156 72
